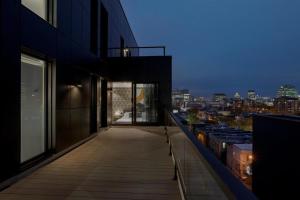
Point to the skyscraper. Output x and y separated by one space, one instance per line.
287 91
251 95
218 97
237 95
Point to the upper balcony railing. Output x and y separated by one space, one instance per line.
199 172
137 51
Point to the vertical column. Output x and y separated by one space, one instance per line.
10 81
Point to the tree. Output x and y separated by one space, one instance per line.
192 118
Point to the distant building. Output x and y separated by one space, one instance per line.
219 97
251 95
237 96
276 153
237 104
287 105
187 97
220 139
239 161
268 101
287 91
180 98
199 99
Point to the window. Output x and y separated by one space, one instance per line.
33 108
39 7
46 9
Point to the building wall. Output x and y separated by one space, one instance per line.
118 25
68 46
276 153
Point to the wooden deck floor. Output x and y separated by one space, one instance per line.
121 163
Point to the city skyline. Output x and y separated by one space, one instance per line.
231 46
243 94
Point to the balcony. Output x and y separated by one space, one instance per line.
137 51
133 163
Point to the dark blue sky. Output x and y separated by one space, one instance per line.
223 45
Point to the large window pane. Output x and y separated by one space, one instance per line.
122 103
32 107
146 108
37 6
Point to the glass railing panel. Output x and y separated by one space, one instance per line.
200 174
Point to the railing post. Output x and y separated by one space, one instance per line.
175 172
170 149
166 133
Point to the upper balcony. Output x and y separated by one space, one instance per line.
133 163
141 51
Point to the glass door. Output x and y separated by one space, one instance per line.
122 103
33 108
146 103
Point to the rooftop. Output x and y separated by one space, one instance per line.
133 163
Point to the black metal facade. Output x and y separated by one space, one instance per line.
67 43
276 153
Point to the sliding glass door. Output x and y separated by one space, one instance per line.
134 103
146 103
33 108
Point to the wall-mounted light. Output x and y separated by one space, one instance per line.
224 145
250 157
77 86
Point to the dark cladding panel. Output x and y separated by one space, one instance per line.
64 17
10 55
77 22
118 25
276 150
73 106
41 38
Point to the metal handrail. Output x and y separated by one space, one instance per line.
229 180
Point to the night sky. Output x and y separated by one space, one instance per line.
223 45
